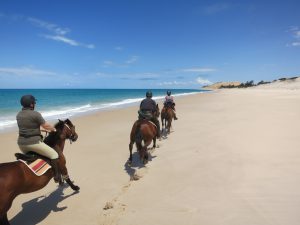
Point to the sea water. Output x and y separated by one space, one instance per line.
66 103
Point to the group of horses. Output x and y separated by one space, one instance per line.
144 131
16 178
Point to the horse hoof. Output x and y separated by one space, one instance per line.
76 188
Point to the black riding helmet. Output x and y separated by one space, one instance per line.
168 93
149 94
27 100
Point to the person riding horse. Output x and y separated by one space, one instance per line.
169 102
147 109
30 138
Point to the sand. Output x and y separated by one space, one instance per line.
233 158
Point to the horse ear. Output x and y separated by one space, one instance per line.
60 120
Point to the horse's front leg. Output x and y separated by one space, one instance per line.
65 174
71 184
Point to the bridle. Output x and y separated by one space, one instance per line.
71 138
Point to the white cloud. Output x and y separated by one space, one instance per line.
133 59
49 26
62 39
118 48
296 35
198 70
25 71
295 44
216 8
68 41
57 33
176 83
202 81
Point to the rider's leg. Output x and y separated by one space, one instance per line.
45 150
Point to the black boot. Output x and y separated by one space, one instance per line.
56 172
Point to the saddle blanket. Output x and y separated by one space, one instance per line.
38 167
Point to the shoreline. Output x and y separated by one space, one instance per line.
94 109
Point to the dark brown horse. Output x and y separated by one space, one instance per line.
167 115
143 132
16 178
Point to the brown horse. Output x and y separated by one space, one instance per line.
167 115
16 178
143 132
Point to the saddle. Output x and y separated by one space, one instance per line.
147 115
38 164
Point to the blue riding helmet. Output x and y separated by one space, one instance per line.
168 93
149 94
27 100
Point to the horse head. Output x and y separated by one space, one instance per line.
66 130
156 112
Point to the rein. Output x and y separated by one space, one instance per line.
70 138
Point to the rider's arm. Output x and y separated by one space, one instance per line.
48 127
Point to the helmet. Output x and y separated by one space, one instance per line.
149 94
168 93
27 100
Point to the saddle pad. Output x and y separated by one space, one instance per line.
38 167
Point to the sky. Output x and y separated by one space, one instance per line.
146 43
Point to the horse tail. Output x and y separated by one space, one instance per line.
139 136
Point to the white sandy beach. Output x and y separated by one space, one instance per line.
233 158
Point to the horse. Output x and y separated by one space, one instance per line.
167 115
16 178
143 132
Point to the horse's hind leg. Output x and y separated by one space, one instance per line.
154 143
4 220
130 152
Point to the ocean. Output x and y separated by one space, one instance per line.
66 103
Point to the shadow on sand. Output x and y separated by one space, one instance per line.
136 164
37 209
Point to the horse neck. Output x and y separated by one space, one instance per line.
61 144
55 142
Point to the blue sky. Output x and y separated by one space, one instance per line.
146 43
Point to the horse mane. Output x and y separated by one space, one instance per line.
53 137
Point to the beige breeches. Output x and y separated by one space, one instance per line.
40 148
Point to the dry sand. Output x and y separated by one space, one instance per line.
233 159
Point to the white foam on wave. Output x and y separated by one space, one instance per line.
67 112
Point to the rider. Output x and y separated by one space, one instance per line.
147 109
169 101
30 139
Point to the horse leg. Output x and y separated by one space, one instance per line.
5 204
130 152
65 177
169 126
71 184
4 220
154 142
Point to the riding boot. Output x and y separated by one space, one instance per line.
56 172
175 117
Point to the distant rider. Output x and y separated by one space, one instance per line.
30 138
147 109
169 102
